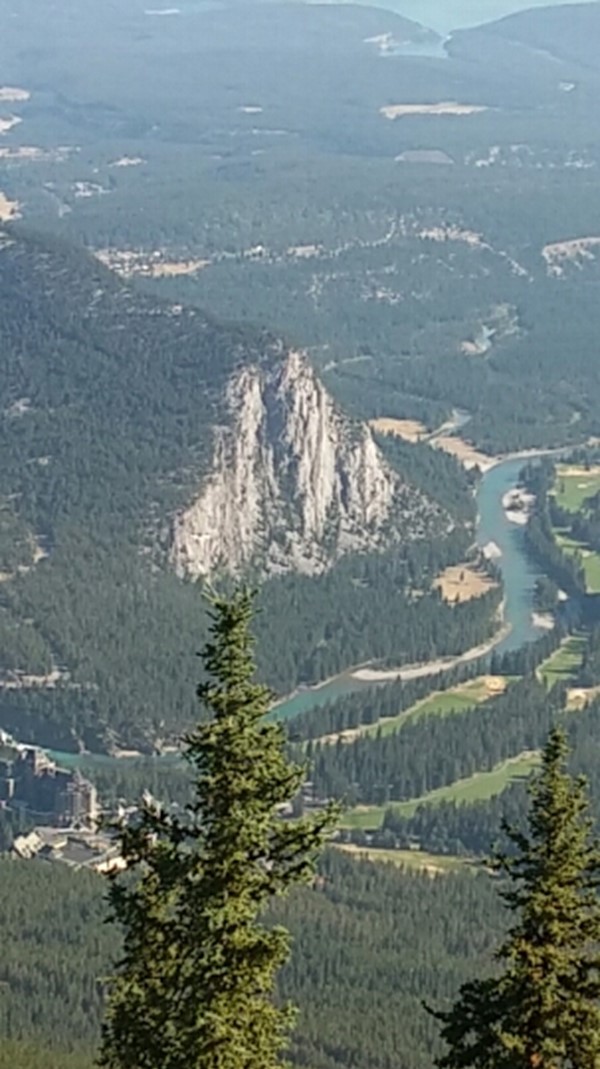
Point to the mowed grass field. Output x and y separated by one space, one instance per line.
446 702
565 662
417 860
442 703
574 484
476 788
590 559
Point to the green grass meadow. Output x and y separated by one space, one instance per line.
443 703
572 490
590 559
564 662
417 860
476 788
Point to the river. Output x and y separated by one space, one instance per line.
518 573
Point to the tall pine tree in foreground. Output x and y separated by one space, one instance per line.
543 1009
195 987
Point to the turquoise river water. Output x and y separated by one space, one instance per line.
518 572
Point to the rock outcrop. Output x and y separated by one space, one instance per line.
294 485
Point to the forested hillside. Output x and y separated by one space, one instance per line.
428 261
111 399
191 192
359 949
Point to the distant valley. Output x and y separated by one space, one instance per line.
446 15
427 239
306 296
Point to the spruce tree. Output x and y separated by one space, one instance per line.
542 1009
195 987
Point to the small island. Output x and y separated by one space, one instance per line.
518 504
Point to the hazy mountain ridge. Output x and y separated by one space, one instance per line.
568 32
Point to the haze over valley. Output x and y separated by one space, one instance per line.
303 296
446 15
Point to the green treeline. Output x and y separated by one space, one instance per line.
566 570
112 396
439 474
540 1006
359 948
462 829
55 951
524 661
362 954
328 621
435 751
470 828
375 703
372 704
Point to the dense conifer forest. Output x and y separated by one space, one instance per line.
436 268
112 399
435 751
354 946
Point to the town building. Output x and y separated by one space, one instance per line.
31 780
78 849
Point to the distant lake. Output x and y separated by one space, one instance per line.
446 15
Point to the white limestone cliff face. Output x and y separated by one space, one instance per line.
294 483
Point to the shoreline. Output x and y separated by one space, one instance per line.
366 672
314 688
430 668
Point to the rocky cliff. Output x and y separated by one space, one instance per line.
294 483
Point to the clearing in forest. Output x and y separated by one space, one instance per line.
574 484
419 860
440 703
467 454
411 430
589 558
462 582
565 662
579 697
443 703
481 786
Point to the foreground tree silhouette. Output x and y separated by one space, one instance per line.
543 1010
194 989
